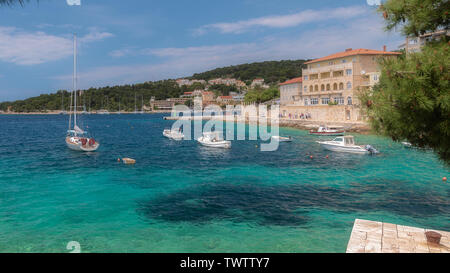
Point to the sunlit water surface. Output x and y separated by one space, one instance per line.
182 197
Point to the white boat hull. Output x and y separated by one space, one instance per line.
173 135
81 148
281 139
218 144
345 149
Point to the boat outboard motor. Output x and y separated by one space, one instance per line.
371 149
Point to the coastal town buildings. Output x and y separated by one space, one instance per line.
330 85
225 100
415 44
291 91
164 105
259 83
187 82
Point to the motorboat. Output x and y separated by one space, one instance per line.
407 144
327 131
173 134
213 139
282 139
346 144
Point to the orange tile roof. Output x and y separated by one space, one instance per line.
226 97
295 80
353 52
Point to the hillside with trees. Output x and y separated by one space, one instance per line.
272 71
109 97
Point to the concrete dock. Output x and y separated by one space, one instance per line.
378 237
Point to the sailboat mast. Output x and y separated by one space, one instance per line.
75 78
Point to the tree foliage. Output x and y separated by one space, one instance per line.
271 71
259 95
416 16
412 100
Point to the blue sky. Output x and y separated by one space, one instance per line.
143 40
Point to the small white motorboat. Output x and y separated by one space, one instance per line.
346 144
173 134
327 131
407 144
213 139
282 139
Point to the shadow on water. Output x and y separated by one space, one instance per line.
288 205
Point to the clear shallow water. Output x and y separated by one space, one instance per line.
181 197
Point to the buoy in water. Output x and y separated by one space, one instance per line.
327 156
118 160
311 157
128 161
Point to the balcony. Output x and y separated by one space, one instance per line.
328 68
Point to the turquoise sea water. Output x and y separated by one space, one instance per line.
181 197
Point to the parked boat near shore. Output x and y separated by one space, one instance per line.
213 139
347 144
327 131
282 139
173 134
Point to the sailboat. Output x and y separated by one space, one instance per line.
76 138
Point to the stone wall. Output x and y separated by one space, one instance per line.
333 113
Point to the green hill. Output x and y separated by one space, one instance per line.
109 97
271 71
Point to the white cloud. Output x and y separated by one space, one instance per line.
31 48
366 32
283 21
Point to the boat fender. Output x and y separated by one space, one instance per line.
83 141
91 142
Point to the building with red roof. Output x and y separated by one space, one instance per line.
330 84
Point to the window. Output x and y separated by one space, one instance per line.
349 85
311 88
341 86
306 77
344 61
349 101
354 60
306 102
328 87
314 101
335 86
339 100
330 63
375 77
322 87
348 72
316 88
305 88
325 100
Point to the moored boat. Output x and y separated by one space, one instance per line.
173 134
213 139
282 139
327 131
346 144
77 139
